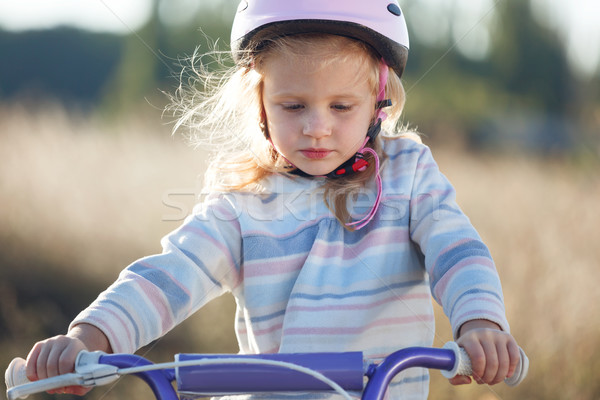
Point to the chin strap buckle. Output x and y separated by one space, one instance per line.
359 165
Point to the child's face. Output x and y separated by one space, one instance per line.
317 116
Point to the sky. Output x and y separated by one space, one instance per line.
576 21
117 16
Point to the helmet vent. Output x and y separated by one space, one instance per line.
244 5
394 9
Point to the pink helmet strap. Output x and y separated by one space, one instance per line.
361 223
381 116
384 71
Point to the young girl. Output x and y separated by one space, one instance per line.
331 235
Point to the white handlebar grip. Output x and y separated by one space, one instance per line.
15 374
520 372
462 366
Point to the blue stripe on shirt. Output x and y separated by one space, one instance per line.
266 247
178 298
446 261
358 293
129 317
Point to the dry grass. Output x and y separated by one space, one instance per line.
541 220
81 199
66 180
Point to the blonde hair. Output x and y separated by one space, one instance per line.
224 110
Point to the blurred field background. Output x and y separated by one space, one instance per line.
91 177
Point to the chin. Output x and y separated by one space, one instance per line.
316 171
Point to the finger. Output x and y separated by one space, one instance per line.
31 362
515 358
477 356
52 361
76 390
503 364
66 360
491 362
460 380
42 361
61 390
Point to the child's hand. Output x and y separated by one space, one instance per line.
494 354
57 355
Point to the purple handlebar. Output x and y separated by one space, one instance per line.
346 369
381 375
158 380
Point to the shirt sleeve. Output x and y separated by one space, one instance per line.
462 274
199 262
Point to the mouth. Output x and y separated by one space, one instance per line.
315 154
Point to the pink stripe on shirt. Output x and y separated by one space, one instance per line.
361 306
375 239
474 261
156 298
360 329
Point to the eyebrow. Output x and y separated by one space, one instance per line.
340 96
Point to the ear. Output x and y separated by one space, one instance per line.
262 123
262 113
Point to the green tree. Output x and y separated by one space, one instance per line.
529 61
152 57
138 73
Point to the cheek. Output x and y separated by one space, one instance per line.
280 130
359 126
281 121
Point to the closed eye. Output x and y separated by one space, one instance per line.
292 106
341 107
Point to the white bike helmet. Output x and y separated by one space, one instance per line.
380 23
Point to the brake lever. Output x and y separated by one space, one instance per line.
88 372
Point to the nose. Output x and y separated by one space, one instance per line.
317 124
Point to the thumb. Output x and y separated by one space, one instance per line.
460 380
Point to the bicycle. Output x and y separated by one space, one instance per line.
210 374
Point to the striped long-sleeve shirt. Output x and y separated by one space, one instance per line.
304 283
